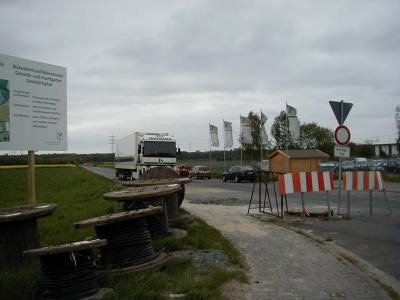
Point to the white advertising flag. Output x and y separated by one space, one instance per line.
246 130
294 123
228 134
214 136
263 132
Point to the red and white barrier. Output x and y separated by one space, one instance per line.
305 182
302 182
363 181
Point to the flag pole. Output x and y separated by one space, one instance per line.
209 141
240 137
287 142
261 138
223 122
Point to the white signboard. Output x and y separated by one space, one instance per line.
341 151
33 105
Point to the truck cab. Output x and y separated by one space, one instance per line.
138 152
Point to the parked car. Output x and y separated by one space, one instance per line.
397 168
370 166
347 166
183 170
389 166
239 173
358 161
327 165
200 172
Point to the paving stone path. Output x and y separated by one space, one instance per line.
284 264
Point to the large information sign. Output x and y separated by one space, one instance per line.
33 105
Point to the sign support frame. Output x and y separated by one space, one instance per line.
31 177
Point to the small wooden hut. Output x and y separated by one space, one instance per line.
289 161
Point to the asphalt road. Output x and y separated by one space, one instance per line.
375 239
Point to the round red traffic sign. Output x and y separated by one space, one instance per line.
342 135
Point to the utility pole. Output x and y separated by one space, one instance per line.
112 142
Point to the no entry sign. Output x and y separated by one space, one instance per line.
342 135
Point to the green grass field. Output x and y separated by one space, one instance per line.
78 194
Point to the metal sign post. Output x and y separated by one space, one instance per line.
341 110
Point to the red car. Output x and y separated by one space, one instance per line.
200 172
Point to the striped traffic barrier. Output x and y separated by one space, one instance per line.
364 181
303 182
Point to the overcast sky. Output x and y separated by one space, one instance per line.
176 66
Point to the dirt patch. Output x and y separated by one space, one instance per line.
235 290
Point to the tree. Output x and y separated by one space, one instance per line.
252 151
313 136
366 150
353 149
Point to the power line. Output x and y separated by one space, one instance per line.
112 142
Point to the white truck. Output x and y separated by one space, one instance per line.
139 151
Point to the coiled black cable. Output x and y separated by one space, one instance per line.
128 244
158 224
68 275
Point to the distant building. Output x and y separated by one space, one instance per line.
289 161
388 147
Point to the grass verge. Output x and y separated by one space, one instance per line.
78 193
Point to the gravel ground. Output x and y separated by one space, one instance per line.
204 259
219 201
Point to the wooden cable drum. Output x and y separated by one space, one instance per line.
17 213
118 217
128 238
142 193
141 197
162 181
19 231
68 270
159 173
163 173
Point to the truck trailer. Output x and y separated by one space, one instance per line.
139 151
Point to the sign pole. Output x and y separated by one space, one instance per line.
340 181
31 177
340 159
341 110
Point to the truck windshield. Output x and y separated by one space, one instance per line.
159 149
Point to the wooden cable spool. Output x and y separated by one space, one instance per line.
67 270
128 238
163 173
154 195
19 232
